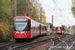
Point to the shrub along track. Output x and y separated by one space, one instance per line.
5 33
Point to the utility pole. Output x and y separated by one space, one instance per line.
15 7
52 27
28 8
52 23
69 29
40 15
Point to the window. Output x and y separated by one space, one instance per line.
58 28
29 25
39 27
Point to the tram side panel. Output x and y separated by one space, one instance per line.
43 29
34 28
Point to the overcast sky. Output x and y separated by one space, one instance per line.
60 9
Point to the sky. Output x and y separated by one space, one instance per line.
61 11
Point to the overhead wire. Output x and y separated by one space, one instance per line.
60 9
68 3
51 8
55 9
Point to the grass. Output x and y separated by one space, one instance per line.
12 40
1 43
48 32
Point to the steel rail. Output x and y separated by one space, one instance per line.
12 46
3 46
71 45
27 45
7 44
64 43
52 45
61 42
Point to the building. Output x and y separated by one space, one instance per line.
48 26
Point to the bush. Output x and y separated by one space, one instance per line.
5 33
1 35
48 32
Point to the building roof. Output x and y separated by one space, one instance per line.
47 24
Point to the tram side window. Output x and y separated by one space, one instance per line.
29 25
45 28
39 27
56 28
60 28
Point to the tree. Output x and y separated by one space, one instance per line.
5 14
43 17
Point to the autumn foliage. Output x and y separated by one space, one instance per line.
22 10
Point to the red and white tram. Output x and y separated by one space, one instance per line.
25 28
58 30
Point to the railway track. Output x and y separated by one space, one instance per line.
10 45
64 44
23 46
27 45
72 47
58 42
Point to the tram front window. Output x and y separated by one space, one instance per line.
20 24
58 28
